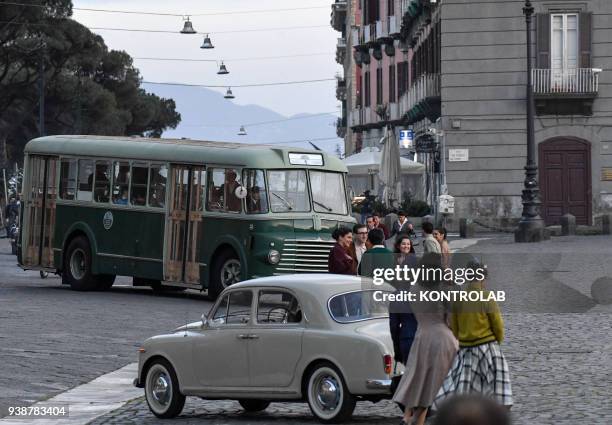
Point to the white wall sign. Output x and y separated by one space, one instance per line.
458 155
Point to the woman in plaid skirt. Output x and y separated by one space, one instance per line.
479 366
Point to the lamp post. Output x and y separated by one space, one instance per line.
41 88
531 227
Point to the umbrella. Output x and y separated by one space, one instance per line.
390 169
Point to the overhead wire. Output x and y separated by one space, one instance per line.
137 12
255 124
177 32
281 83
234 59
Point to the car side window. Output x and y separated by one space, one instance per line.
275 306
234 309
220 315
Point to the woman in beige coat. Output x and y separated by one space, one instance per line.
432 352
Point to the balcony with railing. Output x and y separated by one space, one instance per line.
341 50
565 91
422 100
339 14
363 117
340 88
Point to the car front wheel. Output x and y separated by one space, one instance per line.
162 391
327 395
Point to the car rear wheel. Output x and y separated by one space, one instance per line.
162 390
328 396
254 405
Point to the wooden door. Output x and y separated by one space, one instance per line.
565 180
182 249
39 214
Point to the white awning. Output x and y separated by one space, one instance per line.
368 160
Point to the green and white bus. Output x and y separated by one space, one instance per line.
177 213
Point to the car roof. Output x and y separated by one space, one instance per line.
317 284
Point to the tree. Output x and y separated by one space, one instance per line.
89 89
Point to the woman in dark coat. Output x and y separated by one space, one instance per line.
402 323
340 260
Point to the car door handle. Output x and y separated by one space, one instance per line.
253 336
243 336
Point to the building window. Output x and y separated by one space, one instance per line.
379 86
392 83
564 42
390 7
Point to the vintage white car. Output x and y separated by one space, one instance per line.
318 338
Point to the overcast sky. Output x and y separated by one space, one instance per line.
286 100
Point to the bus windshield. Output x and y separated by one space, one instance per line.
288 191
328 193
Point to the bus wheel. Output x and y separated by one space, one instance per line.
226 271
77 266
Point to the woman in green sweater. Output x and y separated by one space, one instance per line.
479 366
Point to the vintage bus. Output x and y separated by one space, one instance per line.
177 213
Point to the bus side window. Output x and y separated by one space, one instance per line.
102 183
256 199
138 190
121 182
222 185
215 202
68 175
157 185
86 177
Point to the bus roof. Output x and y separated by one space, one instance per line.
177 150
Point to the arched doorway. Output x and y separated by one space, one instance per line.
565 179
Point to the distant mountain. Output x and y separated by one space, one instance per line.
207 115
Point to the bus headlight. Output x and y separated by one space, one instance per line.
273 256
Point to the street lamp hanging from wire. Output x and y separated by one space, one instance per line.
242 131
229 94
222 69
188 27
207 44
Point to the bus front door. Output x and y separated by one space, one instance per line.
40 195
184 224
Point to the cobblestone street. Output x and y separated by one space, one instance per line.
558 343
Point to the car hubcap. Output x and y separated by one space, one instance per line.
77 264
230 272
161 389
327 392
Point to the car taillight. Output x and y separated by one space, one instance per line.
388 362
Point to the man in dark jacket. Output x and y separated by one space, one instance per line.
378 257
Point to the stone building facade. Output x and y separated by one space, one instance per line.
465 77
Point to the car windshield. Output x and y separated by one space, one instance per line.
328 193
288 191
357 306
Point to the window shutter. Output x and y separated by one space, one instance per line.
585 28
543 40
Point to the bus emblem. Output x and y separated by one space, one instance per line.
107 221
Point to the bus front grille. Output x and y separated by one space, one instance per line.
304 256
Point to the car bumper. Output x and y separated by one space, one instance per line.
378 384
